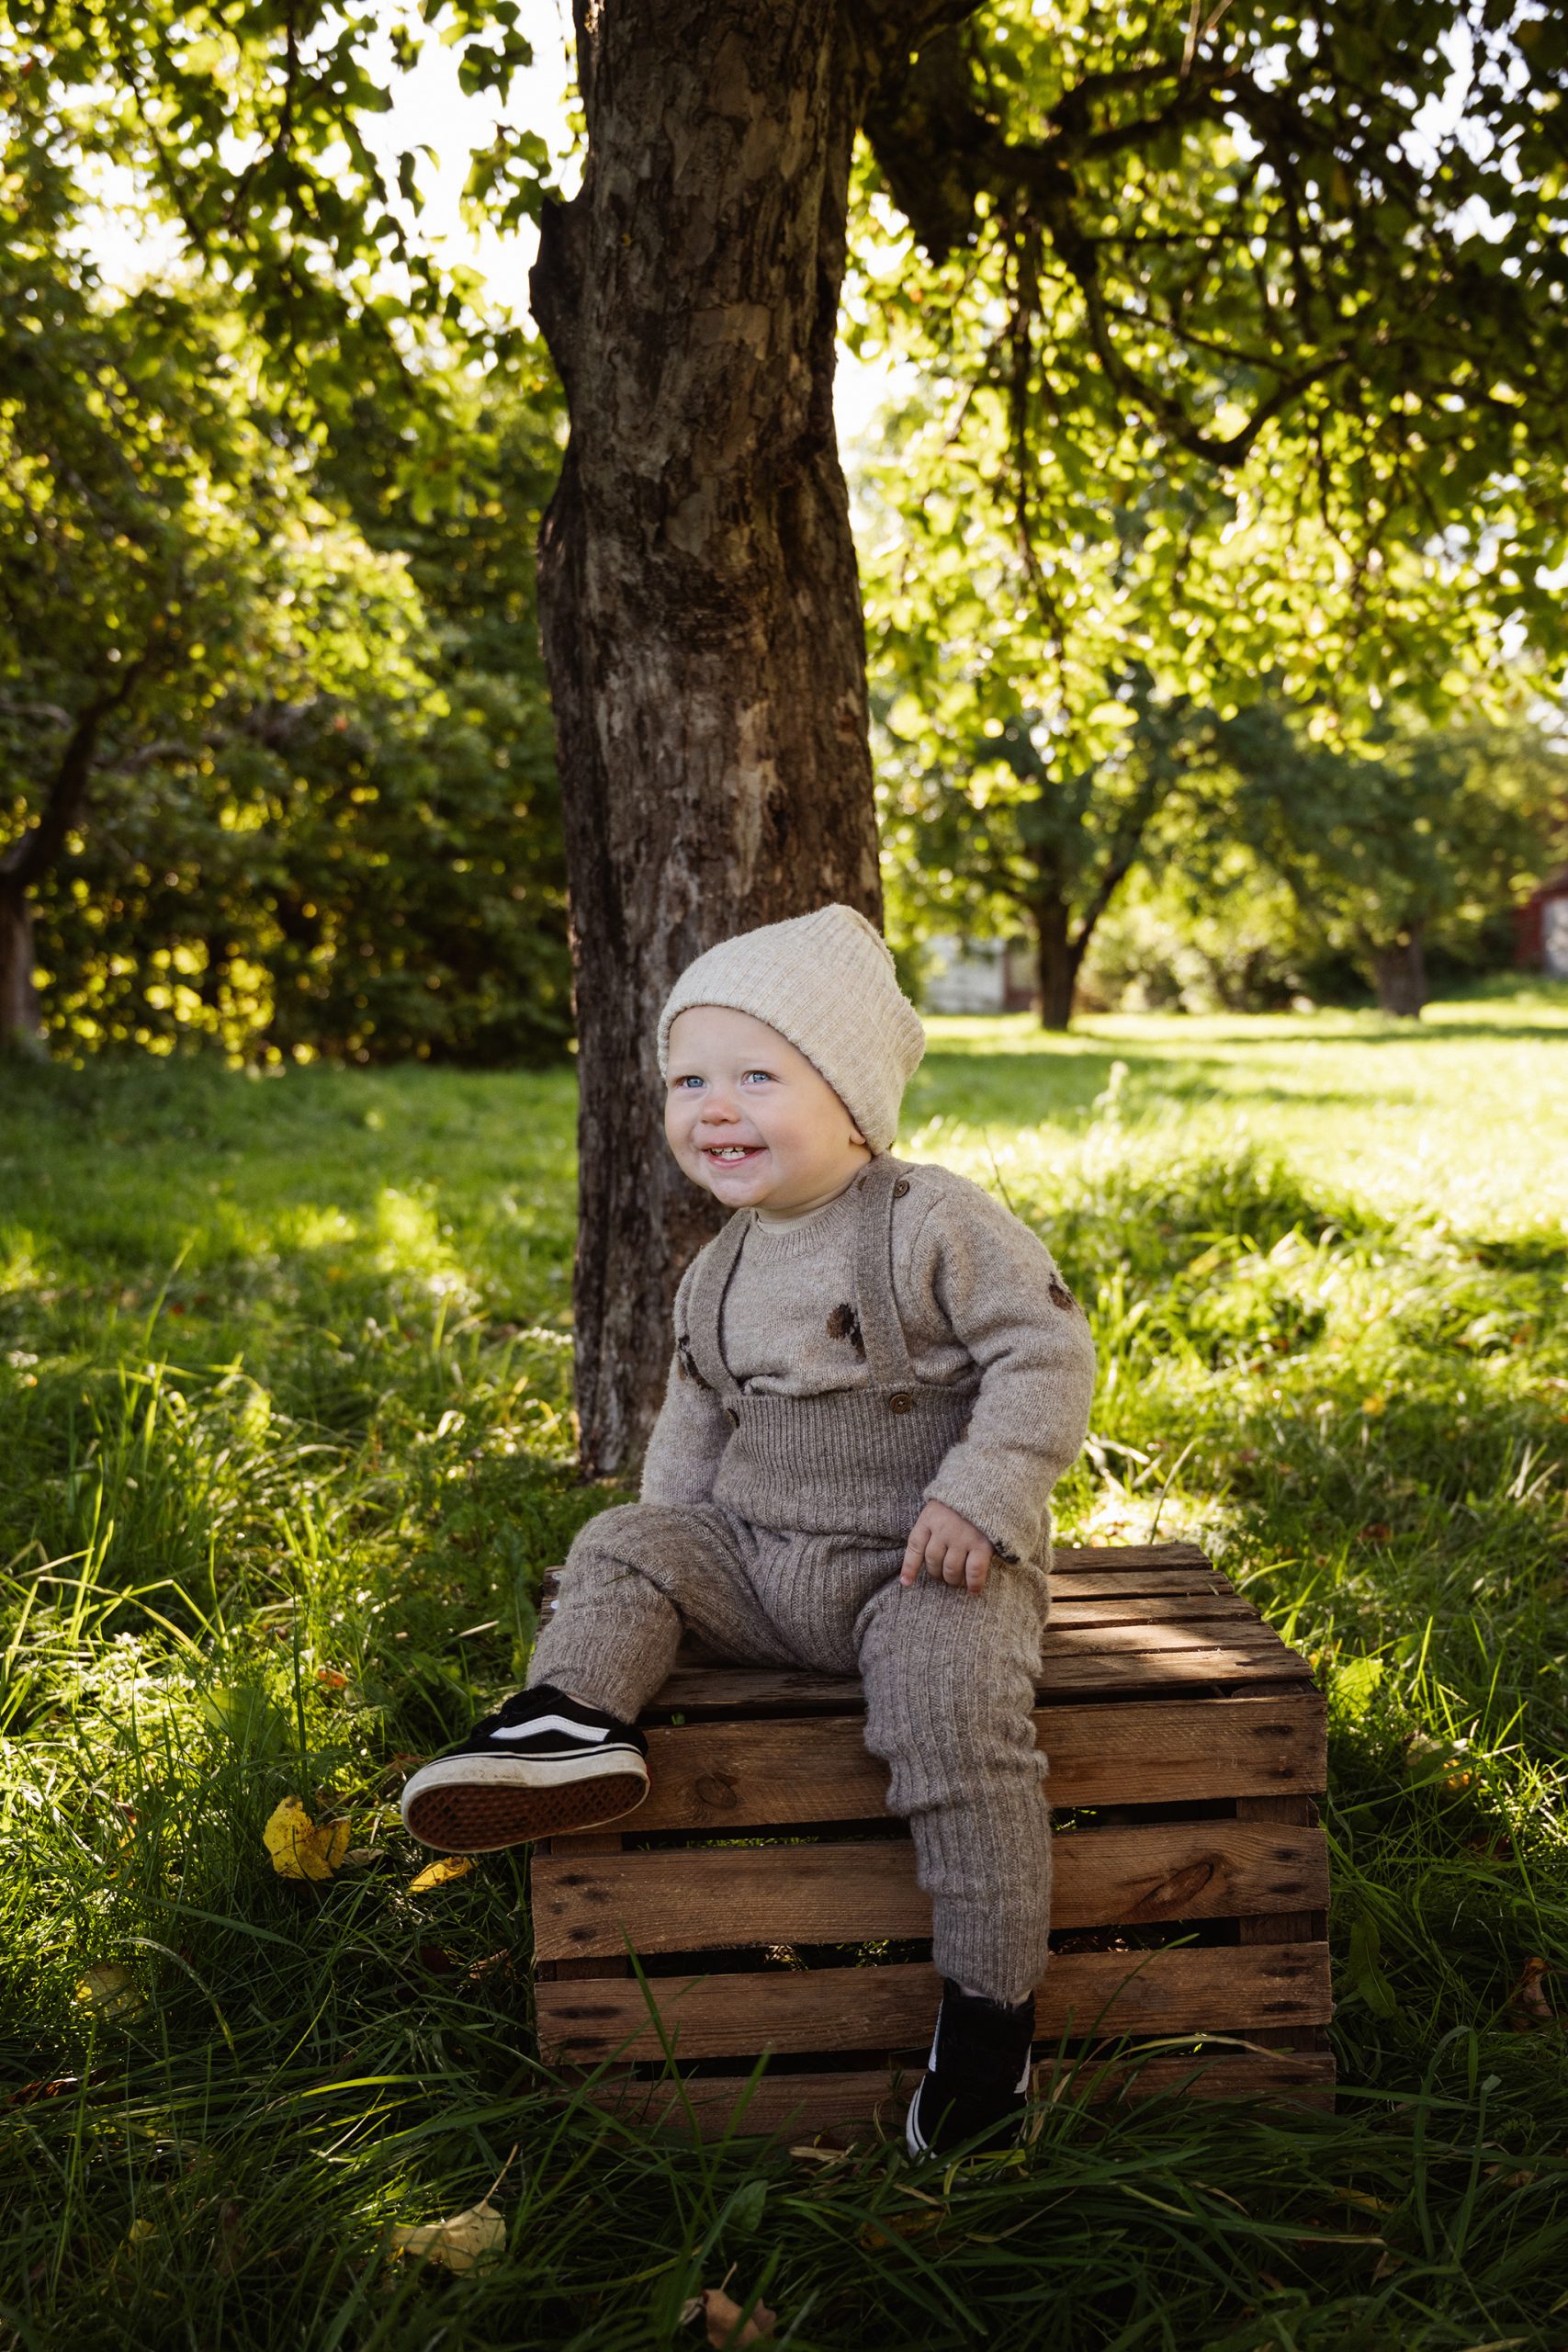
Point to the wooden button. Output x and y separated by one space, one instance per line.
900 1188
900 1403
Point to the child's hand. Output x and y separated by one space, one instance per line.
948 1547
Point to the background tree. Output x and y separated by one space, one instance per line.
277 748
1399 331
131 479
1016 833
1435 834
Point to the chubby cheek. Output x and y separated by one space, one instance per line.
678 1127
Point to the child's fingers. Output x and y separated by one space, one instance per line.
976 1568
914 1553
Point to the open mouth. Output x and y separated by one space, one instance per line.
731 1155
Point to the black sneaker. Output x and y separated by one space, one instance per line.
540 1767
976 2077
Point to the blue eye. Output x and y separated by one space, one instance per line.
758 1073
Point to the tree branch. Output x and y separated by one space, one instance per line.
30 856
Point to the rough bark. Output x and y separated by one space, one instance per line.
25 863
699 599
1399 975
1059 957
20 1028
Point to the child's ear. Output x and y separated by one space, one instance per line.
856 1136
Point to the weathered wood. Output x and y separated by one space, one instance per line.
1281 1927
1121 1559
894 2007
689 1899
1136 1609
867 2103
1159 1686
709 1692
591 1841
1125 1584
724 1776
1084 1573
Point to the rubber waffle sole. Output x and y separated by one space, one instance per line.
479 1820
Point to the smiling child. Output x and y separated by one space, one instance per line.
879 1375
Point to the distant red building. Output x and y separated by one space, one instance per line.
1542 921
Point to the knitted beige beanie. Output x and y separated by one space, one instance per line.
825 982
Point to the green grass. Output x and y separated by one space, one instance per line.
284 1379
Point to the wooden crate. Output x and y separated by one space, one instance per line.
1187 1745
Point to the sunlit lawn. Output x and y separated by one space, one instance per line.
285 1420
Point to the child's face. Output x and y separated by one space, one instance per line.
750 1118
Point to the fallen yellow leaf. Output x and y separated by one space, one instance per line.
442 1873
477 2236
138 2234
1529 2008
111 1990
721 2318
300 1847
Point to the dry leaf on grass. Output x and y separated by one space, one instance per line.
109 1990
1529 2008
449 1868
721 2316
468 2238
300 1849
475 2236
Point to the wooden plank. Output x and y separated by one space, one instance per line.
1120 1557
710 1693
1150 1609
1105 1584
1100 1560
1133 1631
1215 1988
860 2104
1281 1927
593 1842
698 1899
719 1777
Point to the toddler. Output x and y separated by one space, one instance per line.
879 1375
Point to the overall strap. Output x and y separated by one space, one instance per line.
705 1306
886 1351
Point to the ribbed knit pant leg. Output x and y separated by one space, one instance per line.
949 1680
636 1579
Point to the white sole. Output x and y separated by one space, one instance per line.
488 1810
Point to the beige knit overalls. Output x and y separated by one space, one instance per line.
794 1562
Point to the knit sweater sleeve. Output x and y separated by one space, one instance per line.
999 1289
691 1434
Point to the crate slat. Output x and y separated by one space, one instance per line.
1160 1687
1154 1584
686 1898
1150 1609
708 1692
862 2103
893 2008
719 1777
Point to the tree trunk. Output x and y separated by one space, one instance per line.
1059 958
21 1030
30 856
699 605
1399 975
